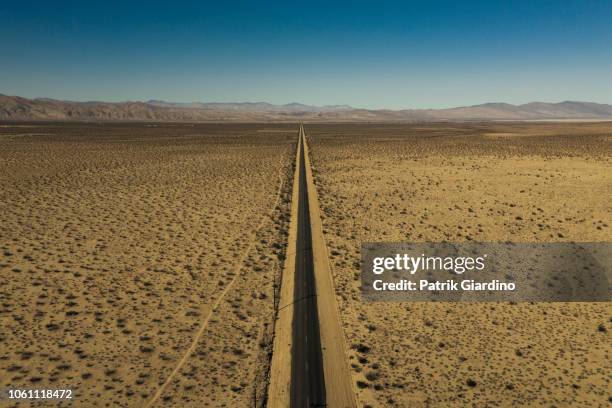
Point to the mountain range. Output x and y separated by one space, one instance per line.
19 108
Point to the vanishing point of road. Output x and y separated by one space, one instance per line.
307 376
309 361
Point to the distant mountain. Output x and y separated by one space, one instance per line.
18 108
251 106
533 110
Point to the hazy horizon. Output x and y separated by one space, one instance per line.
296 102
405 55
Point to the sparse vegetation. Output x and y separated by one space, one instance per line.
521 182
114 238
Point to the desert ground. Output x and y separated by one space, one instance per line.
138 262
495 182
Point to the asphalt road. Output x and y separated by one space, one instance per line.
308 384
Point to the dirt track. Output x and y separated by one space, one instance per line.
118 240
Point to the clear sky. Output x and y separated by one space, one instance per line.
373 54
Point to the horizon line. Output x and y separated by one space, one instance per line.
153 100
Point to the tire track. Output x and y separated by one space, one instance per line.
160 389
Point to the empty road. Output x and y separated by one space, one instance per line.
308 384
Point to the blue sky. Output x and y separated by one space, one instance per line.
373 54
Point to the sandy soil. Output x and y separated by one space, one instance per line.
482 182
117 241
